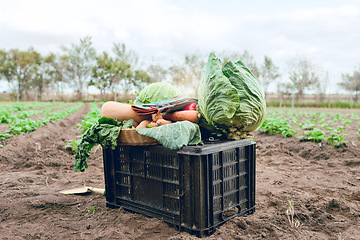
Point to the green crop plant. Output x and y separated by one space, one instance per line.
91 118
315 135
19 126
347 122
336 139
277 126
10 116
24 125
4 136
72 145
92 210
87 122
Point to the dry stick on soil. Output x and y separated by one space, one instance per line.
350 183
97 149
340 238
290 212
4 181
46 180
282 172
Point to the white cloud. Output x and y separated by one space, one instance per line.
328 32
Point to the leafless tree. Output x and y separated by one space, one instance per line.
351 83
302 74
244 56
188 74
157 73
79 60
321 85
269 72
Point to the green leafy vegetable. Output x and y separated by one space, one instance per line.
105 132
274 126
336 139
316 135
231 99
174 135
156 92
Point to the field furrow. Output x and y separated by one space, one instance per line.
304 189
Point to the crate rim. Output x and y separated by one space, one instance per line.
216 147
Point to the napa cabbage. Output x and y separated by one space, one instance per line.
230 98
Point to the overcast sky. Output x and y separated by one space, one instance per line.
327 32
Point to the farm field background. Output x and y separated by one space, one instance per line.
307 179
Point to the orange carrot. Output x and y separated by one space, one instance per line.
143 124
189 115
156 116
160 122
152 124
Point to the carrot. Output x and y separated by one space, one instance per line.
143 124
160 122
189 115
152 124
156 116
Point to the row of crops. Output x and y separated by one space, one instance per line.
87 121
314 126
17 116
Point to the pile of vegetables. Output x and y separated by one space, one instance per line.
231 104
172 130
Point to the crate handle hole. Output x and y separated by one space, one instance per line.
230 213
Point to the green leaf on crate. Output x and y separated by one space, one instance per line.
128 124
175 135
105 132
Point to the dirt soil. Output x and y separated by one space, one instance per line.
322 182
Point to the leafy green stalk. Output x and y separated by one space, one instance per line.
104 132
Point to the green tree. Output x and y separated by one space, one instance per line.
108 72
7 67
24 66
77 63
139 79
136 77
44 76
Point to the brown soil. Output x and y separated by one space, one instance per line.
321 181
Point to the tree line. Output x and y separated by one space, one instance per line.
80 66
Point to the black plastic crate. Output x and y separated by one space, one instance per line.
197 188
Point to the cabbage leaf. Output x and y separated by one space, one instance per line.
175 135
156 92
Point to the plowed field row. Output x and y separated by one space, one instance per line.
320 181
